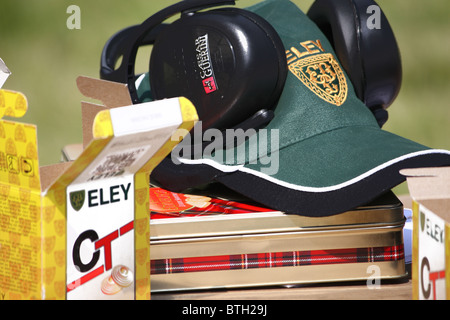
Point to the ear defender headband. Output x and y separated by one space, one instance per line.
229 62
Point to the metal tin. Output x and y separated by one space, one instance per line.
272 248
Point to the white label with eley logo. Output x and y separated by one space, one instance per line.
100 239
431 256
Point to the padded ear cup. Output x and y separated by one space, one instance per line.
370 55
229 62
125 44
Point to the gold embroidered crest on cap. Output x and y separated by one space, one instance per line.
322 75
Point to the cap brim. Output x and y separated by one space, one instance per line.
329 173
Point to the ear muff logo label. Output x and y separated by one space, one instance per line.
204 64
320 73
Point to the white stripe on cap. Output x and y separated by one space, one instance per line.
231 168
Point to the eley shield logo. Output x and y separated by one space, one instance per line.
320 73
77 199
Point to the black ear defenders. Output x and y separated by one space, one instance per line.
232 65
366 47
229 62
222 74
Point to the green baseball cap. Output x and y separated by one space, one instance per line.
324 152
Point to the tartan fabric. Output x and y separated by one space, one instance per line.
276 259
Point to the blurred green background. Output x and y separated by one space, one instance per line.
46 57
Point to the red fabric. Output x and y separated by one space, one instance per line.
166 204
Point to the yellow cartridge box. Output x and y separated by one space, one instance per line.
80 229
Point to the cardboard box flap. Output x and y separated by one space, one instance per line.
126 138
88 113
49 174
119 131
430 187
112 94
428 183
